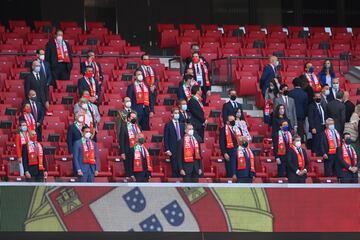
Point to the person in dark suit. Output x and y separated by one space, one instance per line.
232 106
184 90
316 117
185 115
194 48
307 88
122 115
140 161
189 156
141 102
336 110
201 75
349 106
44 66
59 55
301 105
197 112
243 165
330 141
229 137
150 76
297 162
325 91
90 84
90 61
37 112
34 160
334 89
86 157
127 141
74 132
37 82
174 131
281 143
268 73
348 164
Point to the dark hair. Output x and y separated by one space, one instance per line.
180 100
282 86
277 111
137 70
325 85
340 94
194 44
85 127
174 109
142 56
195 89
89 67
59 30
282 121
346 133
331 69
129 114
296 82
38 50
230 90
276 89
306 64
188 77
230 115
303 81
296 136
90 51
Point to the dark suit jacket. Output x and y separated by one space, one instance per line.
197 113
244 173
314 118
228 109
292 163
349 110
223 141
139 107
181 93
73 134
33 170
40 87
40 111
275 145
324 144
186 119
331 96
336 110
124 140
46 72
301 102
131 163
52 58
156 76
83 68
188 167
342 164
78 158
83 85
267 74
170 137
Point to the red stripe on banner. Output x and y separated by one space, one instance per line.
207 212
315 210
82 219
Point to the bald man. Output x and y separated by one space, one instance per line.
269 73
349 106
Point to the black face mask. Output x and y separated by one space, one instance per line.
285 92
318 100
141 140
232 123
133 121
233 97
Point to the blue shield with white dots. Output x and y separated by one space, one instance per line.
135 200
173 213
151 224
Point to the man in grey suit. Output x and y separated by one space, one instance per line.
336 111
289 104
86 157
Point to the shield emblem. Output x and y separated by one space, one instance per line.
135 200
173 213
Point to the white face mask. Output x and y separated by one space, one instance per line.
184 107
191 132
140 78
332 127
335 86
87 135
59 38
42 57
81 119
297 144
276 63
128 104
84 106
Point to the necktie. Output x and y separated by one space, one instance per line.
87 144
43 68
197 69
177 130
134 129
34 110
246 153
142 152
35 147
286 102
234 104
285 138
321 114
37 77
351 156
128 110
334 137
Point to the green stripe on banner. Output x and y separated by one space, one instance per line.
14 206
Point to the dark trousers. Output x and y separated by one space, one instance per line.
330 166
143 119
127 164
38 178
282 167
87 177
62 72
294 178
244 180
201 132
316 141
349 177
39 133
300 130
232 154
175 172
141 176
204 94
192 176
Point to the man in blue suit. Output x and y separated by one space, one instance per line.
269 73
243 166
316 117
44 66
232 106
86 157
142 103
173 132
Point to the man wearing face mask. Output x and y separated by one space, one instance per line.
91 61
184 90
334 89
189 156
86 157
128 136
90 84
232 106
21 139
243 165
336 110
185 115
122 115
269 72
34 160
37 111
347 161
289 103
281 143
229 141
325 92
173 132
140 161
201 75
316 116
196 109
311 77
297 162
37 82
59 55
141 102
330 141
149 76
44 66
74 131
194 49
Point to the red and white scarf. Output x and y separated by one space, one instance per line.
60 57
